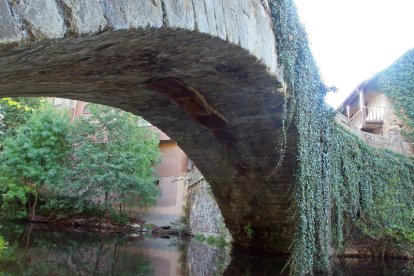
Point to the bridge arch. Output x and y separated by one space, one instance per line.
207 79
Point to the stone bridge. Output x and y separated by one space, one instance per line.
203 71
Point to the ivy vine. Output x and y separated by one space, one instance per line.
337 176
397 82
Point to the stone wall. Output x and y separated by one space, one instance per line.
393 126
205 216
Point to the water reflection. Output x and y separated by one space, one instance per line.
204 259
248 264
37 250
372 267
253 263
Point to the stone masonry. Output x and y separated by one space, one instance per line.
205 215
203 71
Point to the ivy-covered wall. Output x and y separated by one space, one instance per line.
397 82
338 178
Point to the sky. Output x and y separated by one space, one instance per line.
354 39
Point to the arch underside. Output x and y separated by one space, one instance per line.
219 103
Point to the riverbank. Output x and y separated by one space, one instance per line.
106 226
373 249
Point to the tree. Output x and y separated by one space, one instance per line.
35 155
112 159
14 112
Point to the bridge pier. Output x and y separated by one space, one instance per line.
259 204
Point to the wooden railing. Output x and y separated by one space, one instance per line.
374 114
368 115
357 119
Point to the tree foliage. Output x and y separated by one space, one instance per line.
34 157
107 156
14 112
112 159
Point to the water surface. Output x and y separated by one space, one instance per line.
39 250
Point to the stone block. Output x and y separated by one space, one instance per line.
200 13
179 14
124 14
42 19
231 9
219 19
8 24
84 16
210 16
265 48
247 25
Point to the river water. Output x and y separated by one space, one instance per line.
37 250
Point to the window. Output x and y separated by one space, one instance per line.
86 110
57 101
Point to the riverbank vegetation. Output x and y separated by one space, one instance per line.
339 180
218 241
98 165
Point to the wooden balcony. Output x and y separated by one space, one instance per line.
369 118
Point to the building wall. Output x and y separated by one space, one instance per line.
79 109
76 108
172 171
393 126
173 162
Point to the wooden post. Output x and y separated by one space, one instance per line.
361 107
